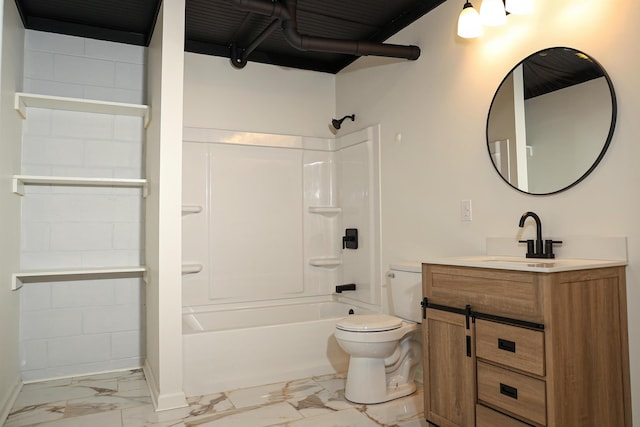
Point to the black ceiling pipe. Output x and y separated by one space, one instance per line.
286 12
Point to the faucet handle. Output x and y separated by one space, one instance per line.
548 248
530 247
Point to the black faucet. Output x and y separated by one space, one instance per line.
539 249
347 287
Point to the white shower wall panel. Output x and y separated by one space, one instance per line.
358 168
195 222
264 216
322 234
255 222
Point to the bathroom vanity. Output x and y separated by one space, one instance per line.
520 342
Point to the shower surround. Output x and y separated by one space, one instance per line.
263 221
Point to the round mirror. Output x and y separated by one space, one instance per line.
551 121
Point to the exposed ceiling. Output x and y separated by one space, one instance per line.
214 26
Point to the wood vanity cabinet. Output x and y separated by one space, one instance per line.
507 348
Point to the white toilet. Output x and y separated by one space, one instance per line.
382 348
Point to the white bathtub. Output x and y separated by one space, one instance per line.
230 349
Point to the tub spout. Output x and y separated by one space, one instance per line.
347 287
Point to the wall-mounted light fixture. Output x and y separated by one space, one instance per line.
492 13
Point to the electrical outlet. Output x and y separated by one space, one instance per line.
465 210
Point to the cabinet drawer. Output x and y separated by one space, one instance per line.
486 417
513 346
504 293
513 392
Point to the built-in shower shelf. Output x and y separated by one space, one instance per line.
18 279
24 100
191 209
325 210
325 262
19 181
191 268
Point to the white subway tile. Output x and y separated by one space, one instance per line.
33 354
79 349
50 260
38 122
89 172
114 51
127 235
112 319
129 76
34 236
114 94
128 128
51 151
85 71
56 43
128 173
50 324
102 153
120 258
39 65
126 344
82 207
129 291
28 169
83 293
82 125
35 296
47 87
81 236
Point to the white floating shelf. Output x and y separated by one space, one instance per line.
191 209
191 268
24 100
325 210
18 279
19 181
325 262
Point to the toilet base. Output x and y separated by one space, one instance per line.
391 394
368 383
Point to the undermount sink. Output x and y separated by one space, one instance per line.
544 265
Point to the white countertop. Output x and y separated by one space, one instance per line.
540 265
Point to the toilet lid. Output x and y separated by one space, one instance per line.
369 323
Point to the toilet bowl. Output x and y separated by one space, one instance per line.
381 361
383 351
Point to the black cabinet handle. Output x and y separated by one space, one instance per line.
506 345
509 391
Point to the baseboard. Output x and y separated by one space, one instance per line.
166 401
9 400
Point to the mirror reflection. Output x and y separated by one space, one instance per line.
551 121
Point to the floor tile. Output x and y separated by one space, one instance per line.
272 393
33 414
103 419
261 416
121 399
347 418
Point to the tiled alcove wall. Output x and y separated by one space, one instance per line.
81 326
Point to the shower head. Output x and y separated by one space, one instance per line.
337 123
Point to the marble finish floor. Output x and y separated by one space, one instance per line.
121 399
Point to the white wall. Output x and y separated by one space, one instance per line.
439 105
163 157
81 326
257 98
11 61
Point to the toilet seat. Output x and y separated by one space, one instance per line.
369 323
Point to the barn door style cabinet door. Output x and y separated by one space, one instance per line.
449 367
525 348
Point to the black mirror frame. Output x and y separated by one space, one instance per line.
614 113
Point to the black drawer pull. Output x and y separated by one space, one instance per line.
506 345
509 391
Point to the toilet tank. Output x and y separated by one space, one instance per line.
405 281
